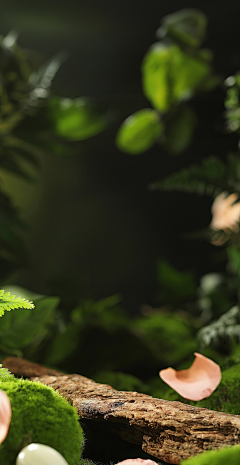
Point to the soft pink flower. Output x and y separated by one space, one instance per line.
5 415
137 462
226 213
197 382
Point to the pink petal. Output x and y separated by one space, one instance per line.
197 382
5 415
137 462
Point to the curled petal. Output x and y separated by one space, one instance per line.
197 382
226 212
5 415
137 462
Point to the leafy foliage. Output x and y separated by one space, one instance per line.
76 119
187 26
139 131
174 286
171 75
30 121
227 327
179 129
9 302
212 177
173 70
232 103
22 332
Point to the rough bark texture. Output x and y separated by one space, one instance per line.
170 431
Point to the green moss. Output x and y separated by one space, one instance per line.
226 398
39 414
227 455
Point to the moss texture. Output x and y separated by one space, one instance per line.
228 455
39 414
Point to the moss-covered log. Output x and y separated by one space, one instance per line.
171 431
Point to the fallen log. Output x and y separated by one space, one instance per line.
170 431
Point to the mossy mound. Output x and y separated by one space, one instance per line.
40 415
227 455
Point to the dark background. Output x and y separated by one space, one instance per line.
94 227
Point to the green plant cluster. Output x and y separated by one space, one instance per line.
98 338
33 122
174 69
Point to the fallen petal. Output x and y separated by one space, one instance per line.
5 415
137 462
197 382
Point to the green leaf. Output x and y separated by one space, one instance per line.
179 129
188 26
208 178
76 119
10 163
17 329
155 76
139 131
170 75
10 302
175 285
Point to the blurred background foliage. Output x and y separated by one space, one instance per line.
125 280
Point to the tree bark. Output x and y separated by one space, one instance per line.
170 431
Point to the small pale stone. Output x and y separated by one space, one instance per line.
39 454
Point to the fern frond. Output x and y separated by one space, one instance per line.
227 327
10 302
209 178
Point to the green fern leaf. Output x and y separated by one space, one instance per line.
10 302
227 327
208 178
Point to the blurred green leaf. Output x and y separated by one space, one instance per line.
179 129
12 247
170 75
155 75
9 162
23 292
207 178
175 286
188 26
233 253
121 381
41 80
164 333
18 328
63 345
76 119
139 131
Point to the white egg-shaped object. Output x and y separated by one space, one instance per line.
39 454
